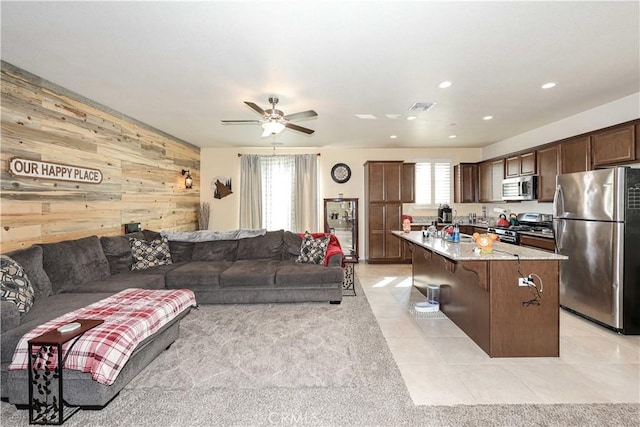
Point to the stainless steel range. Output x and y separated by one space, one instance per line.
532 222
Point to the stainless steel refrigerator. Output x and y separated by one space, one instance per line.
597 225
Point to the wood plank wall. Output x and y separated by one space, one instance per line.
141 168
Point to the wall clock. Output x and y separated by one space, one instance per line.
340 173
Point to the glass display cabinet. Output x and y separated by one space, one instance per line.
341 219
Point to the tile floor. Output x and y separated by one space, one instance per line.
442 366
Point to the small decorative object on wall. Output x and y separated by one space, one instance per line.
221 187
58 171
188 181
340 173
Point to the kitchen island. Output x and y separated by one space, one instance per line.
481 293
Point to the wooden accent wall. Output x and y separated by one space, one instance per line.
141 167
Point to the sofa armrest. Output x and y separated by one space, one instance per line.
335 260
10 316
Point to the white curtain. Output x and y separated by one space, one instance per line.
306 193
279 192
250 192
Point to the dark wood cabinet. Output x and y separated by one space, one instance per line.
383 210
575 155
490 175
408 180
465 183
548 166
613 146
543 243
520 165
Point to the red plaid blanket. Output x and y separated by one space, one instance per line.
129 317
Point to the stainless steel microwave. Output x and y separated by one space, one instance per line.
520 188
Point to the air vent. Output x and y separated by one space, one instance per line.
422 106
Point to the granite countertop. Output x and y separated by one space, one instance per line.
464 251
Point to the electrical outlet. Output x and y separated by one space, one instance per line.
523 281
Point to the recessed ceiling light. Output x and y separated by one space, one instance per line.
393 136
366 116
411 117
487 118
393 116
445 84
549 85
453 136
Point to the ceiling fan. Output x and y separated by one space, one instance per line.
274 121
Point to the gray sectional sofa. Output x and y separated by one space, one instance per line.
73 274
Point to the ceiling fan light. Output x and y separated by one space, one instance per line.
272 128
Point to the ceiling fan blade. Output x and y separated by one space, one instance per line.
228 122
301 115
256 108
299 128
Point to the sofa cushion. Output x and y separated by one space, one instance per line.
118 251
197 275
244 273
149 254
10 316
291 245
15 285
215 250
268 246
307 275
180 251
31 261
122 281
313 250
72 263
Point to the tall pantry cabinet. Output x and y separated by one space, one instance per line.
383 210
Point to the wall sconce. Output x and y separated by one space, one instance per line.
188 181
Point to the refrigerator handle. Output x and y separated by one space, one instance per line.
558 202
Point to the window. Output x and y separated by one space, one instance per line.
278 177
433 182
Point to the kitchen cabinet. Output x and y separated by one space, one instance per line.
575 155
548 166
465 183
544 243
520 165
408 182
613 146
490 175
383 210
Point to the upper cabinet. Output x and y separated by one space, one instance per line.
575 155
548 160
490 175
465 183
520 165
613 146
408 182
385 181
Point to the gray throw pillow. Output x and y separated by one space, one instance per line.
313 250
149 254
15 284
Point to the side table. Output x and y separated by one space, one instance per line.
348 285
46 406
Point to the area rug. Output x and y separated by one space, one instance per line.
260 346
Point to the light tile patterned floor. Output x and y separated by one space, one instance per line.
442 366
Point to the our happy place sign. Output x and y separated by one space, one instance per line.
46 170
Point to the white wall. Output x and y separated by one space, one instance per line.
225 162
